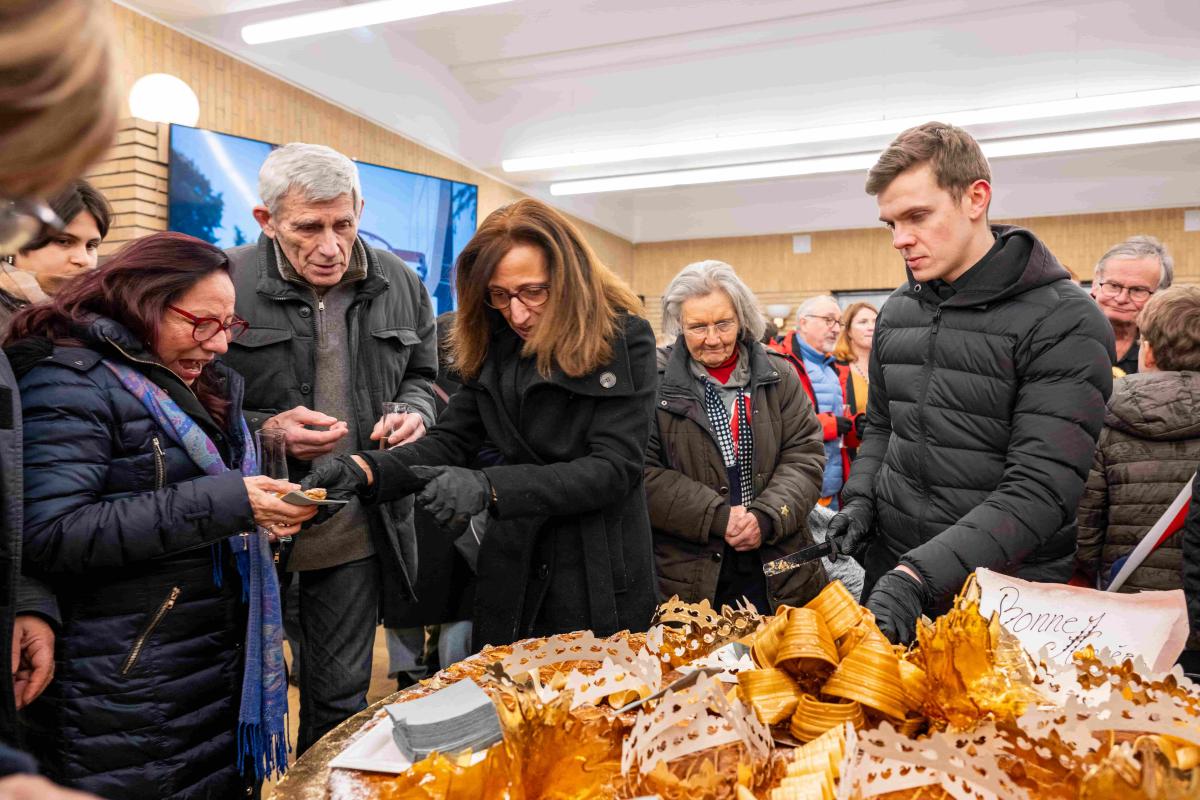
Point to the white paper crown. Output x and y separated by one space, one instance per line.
621 669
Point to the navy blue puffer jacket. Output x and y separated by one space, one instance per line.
122 524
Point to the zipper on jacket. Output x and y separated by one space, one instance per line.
160 464
140 642
928 378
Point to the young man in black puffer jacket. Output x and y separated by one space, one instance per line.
989 374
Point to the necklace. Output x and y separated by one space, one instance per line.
854 366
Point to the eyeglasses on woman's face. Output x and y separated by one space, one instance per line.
22 221
205 328
531 296
722 328
1138 294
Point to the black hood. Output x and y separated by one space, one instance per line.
1017 263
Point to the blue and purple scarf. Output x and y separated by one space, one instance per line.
262 725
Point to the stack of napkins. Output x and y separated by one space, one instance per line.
451 720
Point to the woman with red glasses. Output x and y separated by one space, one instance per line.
142 501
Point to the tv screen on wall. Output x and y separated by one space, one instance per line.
212 189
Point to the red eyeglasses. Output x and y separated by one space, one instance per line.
204 328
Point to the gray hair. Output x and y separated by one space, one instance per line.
809 303
1141 247
320 173
702 279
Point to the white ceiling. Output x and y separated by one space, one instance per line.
540 77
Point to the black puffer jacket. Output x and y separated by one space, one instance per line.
121 523
983 415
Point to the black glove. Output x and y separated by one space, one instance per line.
897 602
341 479
453 495
851 528
860 424
844 425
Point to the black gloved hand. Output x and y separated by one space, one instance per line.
897 602
860 424
851 528
844 425
341 479
453 495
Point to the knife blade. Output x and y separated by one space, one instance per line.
801 557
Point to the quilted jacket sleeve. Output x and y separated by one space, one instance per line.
1093 516
1191 558
1065 378
70 525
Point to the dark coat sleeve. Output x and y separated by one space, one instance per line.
1093 516
615 443
680 506
422 366
1191 558
1065 378
69 427
795 483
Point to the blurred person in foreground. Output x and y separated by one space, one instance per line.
810 351
1149 447
1191 563
989 373
1125 278
58 114
735 459
141 504
337 328
853 354
558 375
36 270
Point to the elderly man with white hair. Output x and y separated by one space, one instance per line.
735 460
810 351
1126 276
337 328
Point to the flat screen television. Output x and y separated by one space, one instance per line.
212 190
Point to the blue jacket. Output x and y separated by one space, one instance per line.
121 523
827 387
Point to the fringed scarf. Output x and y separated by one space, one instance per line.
262 725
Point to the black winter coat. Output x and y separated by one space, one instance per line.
122 523
983 414
10 537
1191 557
570 548
393 357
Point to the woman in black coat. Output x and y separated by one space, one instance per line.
139 476
559 377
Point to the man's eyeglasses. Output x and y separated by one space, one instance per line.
830 322
23 221
205 328
723 328
530 296
1138 294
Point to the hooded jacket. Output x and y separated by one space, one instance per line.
687 485
1148 449
124 527
984 411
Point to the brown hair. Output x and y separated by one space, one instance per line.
58 103
78 197
1170 323
953 153
134 289
579 324
842 351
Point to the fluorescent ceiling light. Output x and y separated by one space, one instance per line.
354 16
1002 148
859 130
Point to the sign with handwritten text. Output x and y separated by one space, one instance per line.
1064 618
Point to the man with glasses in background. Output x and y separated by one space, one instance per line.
1126 276
809 349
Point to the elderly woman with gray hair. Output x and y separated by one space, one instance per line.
735 458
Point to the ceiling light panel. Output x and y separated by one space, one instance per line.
1075 106
354 16
1002 148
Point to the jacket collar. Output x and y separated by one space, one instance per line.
271 281
676 377
809 353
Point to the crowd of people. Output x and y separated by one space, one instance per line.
530 464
